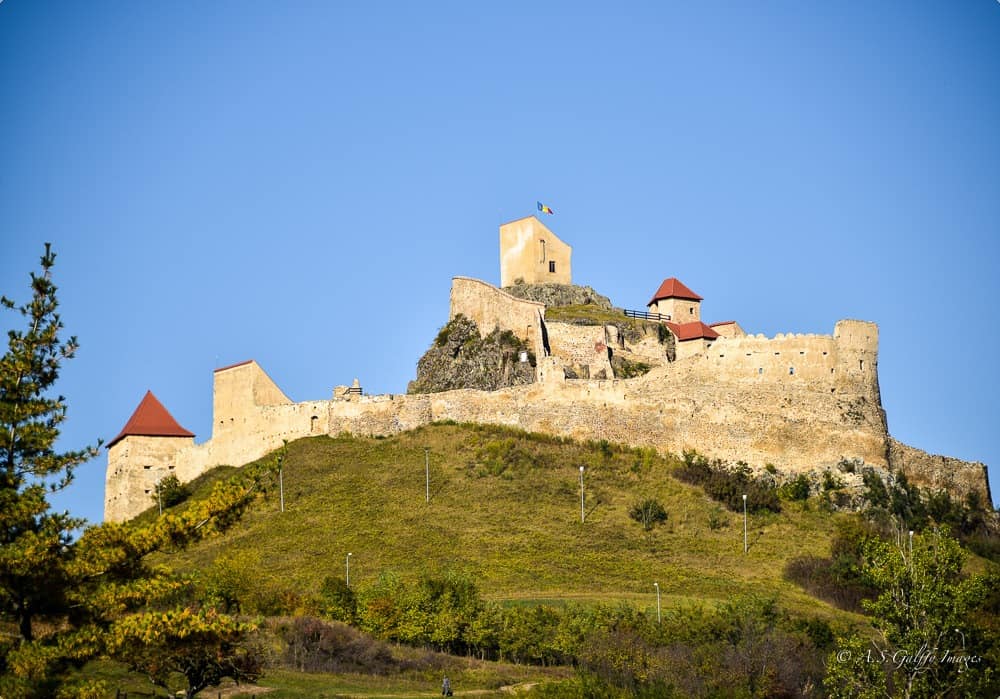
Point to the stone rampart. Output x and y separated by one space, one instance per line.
941 472
490 308
800 402
581 346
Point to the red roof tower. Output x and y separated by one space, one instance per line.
674 288
151 419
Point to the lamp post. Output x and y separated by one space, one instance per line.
159 496
911 548
427 474
657 586
281 480
745 549
581 495
349 569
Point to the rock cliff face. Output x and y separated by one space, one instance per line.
462 358
559 295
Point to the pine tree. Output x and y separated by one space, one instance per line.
97 590
34 541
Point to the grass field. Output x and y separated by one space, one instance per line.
505 509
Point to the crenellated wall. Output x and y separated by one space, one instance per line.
800 402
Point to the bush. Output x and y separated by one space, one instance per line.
831 482
170 491
839 579
729 485
648 512
313 645
797 489
337 600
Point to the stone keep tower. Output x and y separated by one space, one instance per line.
140 456
530 251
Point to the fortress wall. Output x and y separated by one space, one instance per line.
582 345
490 307
379 415
135 465
937 472
236 392
691 348
785 358
261 429
790 428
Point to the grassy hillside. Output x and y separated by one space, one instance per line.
505 508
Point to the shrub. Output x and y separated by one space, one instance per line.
337 600
831 482
648 512
729 485
839 579
849 465
318 646
797 489
170 491
717 519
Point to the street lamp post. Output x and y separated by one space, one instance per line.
427 473
657 586
911 548
281 480
349 569
745 549
581 495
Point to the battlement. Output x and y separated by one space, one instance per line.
799 401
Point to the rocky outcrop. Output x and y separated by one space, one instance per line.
559 295
462 358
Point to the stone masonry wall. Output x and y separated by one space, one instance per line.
800 402
581 345
490 307
135 465
936 472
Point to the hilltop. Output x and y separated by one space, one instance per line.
505 509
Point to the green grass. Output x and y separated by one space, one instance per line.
486 680
468 678
517 533
586 314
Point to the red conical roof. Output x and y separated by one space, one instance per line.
151 419
674 288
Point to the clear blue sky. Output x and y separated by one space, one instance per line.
298 182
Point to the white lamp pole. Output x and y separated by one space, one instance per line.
657 586
581 495
281 480
427 473
349 569
744 523
911 548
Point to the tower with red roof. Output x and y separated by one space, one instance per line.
141 455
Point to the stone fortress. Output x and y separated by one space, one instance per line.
803 403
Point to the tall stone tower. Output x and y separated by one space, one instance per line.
530 251
140 456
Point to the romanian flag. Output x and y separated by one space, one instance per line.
544 209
